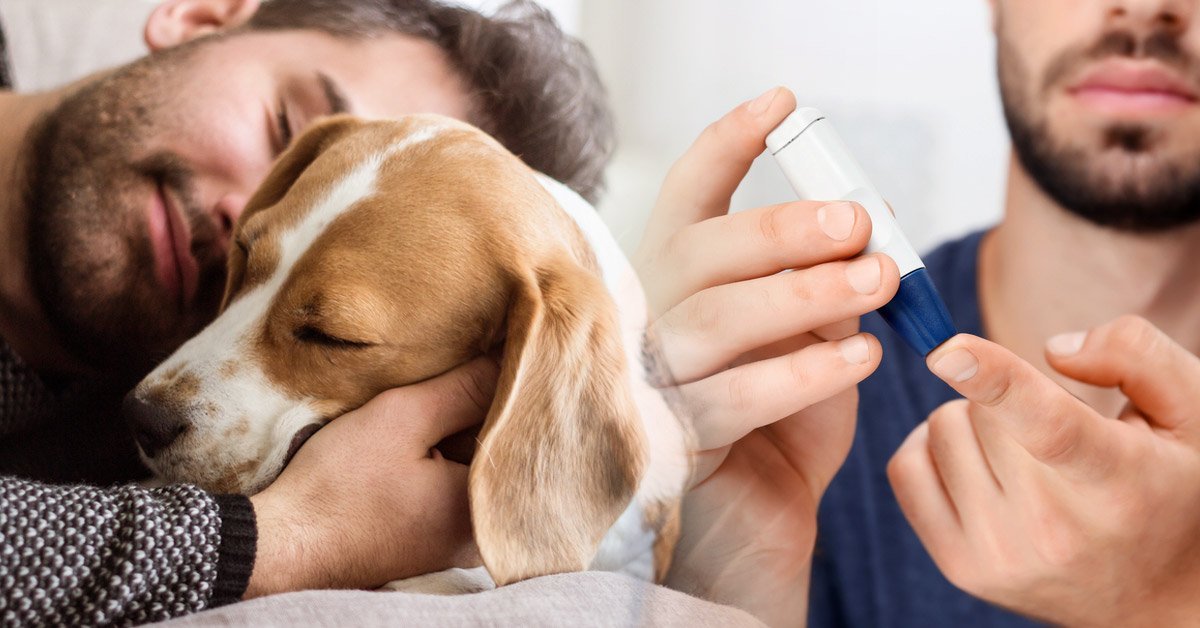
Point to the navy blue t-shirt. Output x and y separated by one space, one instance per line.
869 568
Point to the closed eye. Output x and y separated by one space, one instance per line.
312 335
283 125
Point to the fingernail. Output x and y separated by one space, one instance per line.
836 220
762 103
958 365
1067 344
864 275
855 350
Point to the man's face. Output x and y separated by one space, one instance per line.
1101 98
138 178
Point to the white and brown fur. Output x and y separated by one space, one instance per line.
426 243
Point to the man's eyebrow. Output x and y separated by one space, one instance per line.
338 102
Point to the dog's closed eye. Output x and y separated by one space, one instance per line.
310 334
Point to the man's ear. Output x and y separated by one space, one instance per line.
177 21
992 10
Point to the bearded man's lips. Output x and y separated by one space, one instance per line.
1134 89
175 267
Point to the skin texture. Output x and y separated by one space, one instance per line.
764 363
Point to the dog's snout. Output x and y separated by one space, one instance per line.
154 427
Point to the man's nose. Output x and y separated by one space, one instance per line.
154 427
226 212
1172 15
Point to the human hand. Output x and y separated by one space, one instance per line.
764 363
368 499
1028 498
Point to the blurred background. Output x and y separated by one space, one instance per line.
911 86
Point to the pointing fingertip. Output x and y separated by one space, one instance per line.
1066 345
760 105
855 350
957 365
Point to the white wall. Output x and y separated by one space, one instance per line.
909 83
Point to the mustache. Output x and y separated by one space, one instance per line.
1162 46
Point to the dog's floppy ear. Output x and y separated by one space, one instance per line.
562 450
294 161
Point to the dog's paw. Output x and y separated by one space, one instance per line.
450 582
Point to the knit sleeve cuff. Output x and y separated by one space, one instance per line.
239 539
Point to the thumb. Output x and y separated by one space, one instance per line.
1161 378
1042 417
441 406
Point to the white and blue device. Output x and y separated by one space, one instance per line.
817 163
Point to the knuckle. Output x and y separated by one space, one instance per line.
800 287
736 124
773 229
799 370
997 390
1057 440
946 418
673 254
740 394
703 316
1057 542
902 468
1134 332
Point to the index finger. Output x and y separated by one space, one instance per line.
701 183
1042 417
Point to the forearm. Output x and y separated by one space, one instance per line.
83 555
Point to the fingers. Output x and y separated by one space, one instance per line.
728 405
960 459
1160 377
920 492
712 328
1049 423
754 243
444 405
701 183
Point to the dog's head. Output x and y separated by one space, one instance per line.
379 254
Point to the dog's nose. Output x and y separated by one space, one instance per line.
154 427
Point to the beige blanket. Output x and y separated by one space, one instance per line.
578 599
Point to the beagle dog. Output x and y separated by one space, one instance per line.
383 253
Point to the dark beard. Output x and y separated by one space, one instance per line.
91 261
1150 195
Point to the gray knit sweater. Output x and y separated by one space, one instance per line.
73 554
80 555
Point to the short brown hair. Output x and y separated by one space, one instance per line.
533 87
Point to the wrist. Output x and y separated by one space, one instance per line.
277 567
